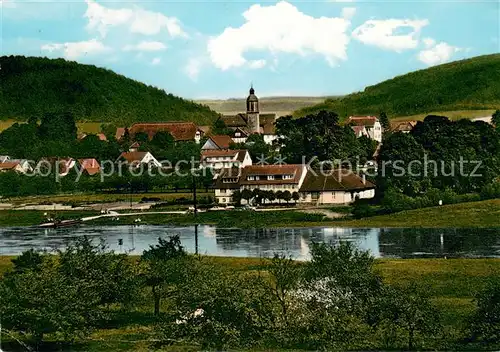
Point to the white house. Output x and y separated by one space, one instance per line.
137 158
221 159
370 123
334 187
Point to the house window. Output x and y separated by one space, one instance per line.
223 200
314 196
251 178
237 134
222 191
257 178
287 177
270 177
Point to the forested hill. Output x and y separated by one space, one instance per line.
31 86
461 85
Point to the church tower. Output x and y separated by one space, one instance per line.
253 112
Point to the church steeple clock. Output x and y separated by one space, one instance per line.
253 112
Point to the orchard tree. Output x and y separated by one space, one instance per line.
164 265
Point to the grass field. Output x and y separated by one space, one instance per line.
83 127
451 284
452 115
473 214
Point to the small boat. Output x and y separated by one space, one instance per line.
61 223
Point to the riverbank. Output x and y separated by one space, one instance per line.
472 214
481 214
451 283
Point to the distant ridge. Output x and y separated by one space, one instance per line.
471 84
31 86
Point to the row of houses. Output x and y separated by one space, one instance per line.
89 166
333 187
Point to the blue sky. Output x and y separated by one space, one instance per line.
214 49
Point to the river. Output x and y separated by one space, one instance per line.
382 243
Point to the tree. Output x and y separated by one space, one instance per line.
246 194
141 137
409 309
41 300
287 196
384 121
318 137
58 126
111 276
279 195
286 275
271 195
163 140
495 119
295 196
237 196
164 263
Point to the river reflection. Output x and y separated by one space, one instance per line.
400 243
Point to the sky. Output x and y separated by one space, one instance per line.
214 49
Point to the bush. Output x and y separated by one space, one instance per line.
485 323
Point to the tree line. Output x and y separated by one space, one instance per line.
336 301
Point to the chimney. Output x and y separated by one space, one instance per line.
364 179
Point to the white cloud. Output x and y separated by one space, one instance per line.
193 68
137 20
74 50
256 64
155 61
437 54
348 12
145 46
384 33
7 4
428 42
280 28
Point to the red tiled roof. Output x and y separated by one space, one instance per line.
181 131
362 120
91 166
222 141
120 131
132 157
9 165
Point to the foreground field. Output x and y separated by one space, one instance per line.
450 283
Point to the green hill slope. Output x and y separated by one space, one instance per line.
31 86
471 84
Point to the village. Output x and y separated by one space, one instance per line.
237 178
